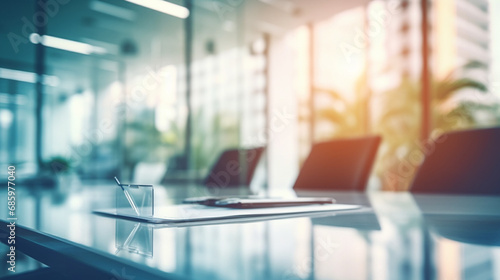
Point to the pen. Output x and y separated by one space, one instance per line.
127 195
129 238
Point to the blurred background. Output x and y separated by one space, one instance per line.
154 91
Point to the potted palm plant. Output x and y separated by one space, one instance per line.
400 122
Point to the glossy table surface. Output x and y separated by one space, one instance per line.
398 236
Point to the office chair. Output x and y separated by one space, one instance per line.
463 162
343 164
234 168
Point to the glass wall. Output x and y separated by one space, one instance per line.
112 92
17 94
116 93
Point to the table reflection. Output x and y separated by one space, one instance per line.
133 237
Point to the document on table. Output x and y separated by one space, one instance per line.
192 214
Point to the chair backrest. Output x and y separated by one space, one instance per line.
343 164
234 168
462 162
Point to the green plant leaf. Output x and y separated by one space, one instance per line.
446 89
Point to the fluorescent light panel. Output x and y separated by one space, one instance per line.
107 47
164 7
27 77
112 10
65 44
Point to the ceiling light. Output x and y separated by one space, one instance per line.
112 10
64 44
27 77
164 7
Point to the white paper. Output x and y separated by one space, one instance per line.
193 213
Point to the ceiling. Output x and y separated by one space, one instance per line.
157 38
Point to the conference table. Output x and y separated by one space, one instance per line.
396 235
